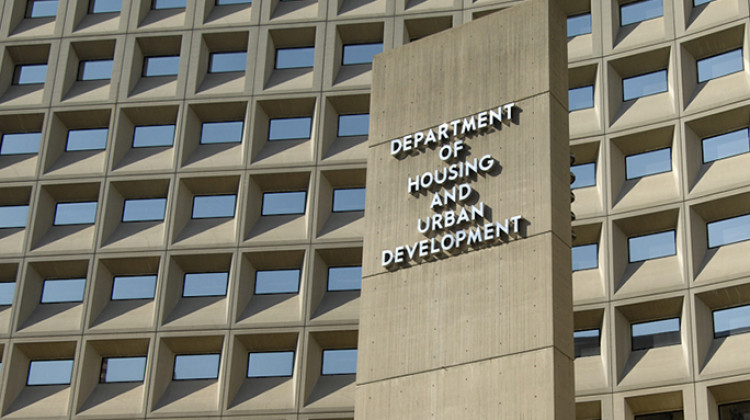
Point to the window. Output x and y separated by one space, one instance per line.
728 231
731 321
638 11
672 415
720 65
655 245
697 3
134 287
86 139
7 289
360 53
585 257
348 199
660 333
221 132
82 213
579 25
339 362
726 145
585 175
344 278
644 85
227 62
123 369
587 342
283 203
353 125
289 128
105 6
20 143
227 2
580 98
153 135
207 206
29 74
295 58
13 216
166 65
144 209
168 4
648 163
196 366
41 8
739 410
63 290
95 70
50 372
268 364
276 281
205 284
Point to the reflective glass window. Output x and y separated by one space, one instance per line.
276 281
294 58
720 65
196 366
360 53
166 65
655 245
731 321
227 2
13 216
41 8
105 6
168 4
672 415
644 85
7 289
63 290
134 287
289 128
29 74
50 372
20 143
348 199
268 364
283 203
579 25
221 132
735 411
339 362
728 231
153 135
580 98
227 62
700 2
353 125
659 333
585 257
638 11
344 278
648 163
205 284
726 145
86 139
587 342
82 213
585 175
144 209
207 206
95 70
123 369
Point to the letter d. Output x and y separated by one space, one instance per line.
387 258
395 147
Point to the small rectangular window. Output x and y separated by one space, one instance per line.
7 290
731 321
144 209
659 333
728 231
63 290
276 281
720 65
344 278
227 62
41 8
348 199
123 369
105 6
638 11
153 135
13 216
726 145
648 163
587 342
221 132
205 284
82 213
353 125
134 287
166 65
735 411
579 25
208 206
644 85
339 362
20 143
697 3
228 2
655 245
196 366
672 415
283 203
585 257
50 372
95 70
270 364
580 98
360 53
29 74
585 175
289 128
86 139
295 58
168 4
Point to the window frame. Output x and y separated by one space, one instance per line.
593 104
16 81
116 277
309 128
211 56
344 48
226 284
57 204
154 2
622 25
674 237
82 64
338 125
135 130
579 351
291 368
578 15
83 290
238 141
578 166
328 278
323 358
276 58
333 200
174 367
28 372
125 203
147 58
37 139
596 252
731 331
30 8
299 282
15 226
234 207
708 236
67 138
104 368
263 200
92 12
653 151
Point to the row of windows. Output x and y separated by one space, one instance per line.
48 8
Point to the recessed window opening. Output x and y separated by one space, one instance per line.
270 364
29 74
277 281
731 321
20 143
221 132
63 290
283 203
223 62
639 11
41 8
339 362
733 410
587 342
86 139
585 257
579 25
344 278
672 415
360 53
585 175
228 2
7 290
153 135
50 372
105 6
144 209
651 246
13 216
168 4
348 199
95 69
720 65
209 206
134 287
580 98
728 231
81 213
295 128
205 284
644 85
196 366
123 369
659 333
166 65
294 58
697 3
648 163
726 145
353 125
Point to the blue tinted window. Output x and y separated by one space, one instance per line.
585 175
580 98
353 125
123 369
63 290
283 203
293 58
227 62
579 25
50 372
339 362
276 281
361 53
585 257
639 11
344 278
221 132
726 145
207 206
144 209
728 231
226 2
587 342
28 74
289 128
20 143
41 8
134 287
168 4
664 332
82 213
276 363
720 65
196 366
652 246
153 135
644 85
7 289
86 139
648 163
95 70
700 2
105 6
13 216
205 284
731 321
167 65
348 199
